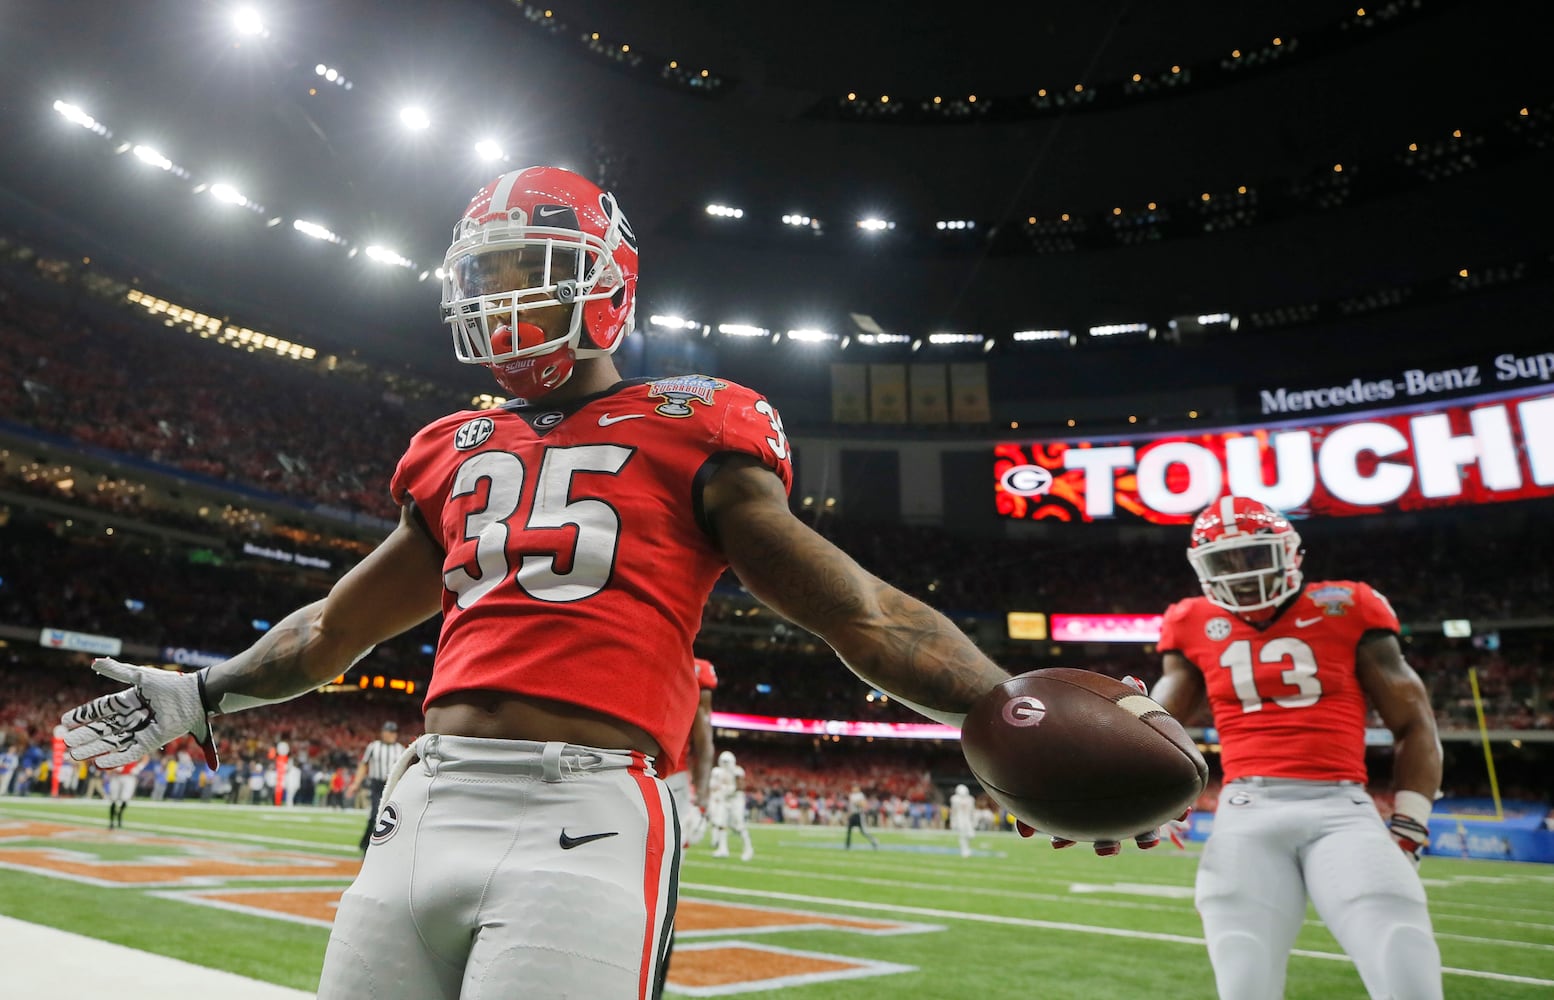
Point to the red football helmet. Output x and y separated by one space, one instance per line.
1246 554
535 239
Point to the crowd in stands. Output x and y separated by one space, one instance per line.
118 381
140 389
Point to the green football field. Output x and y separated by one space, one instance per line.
249 890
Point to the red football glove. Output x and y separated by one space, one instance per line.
1108 848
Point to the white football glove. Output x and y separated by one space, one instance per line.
695 825
119 729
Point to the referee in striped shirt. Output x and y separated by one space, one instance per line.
376 763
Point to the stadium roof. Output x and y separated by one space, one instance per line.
1316 126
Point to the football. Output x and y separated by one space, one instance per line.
1080 755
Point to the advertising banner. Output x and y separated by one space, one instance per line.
80 642
1502 371
1106 628
1476 451
837 727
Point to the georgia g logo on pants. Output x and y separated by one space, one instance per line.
388 822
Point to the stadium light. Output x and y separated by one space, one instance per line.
673 322
145 154
73 113
487 149
246 21
741 330
874 225
725 211
415 118
1118 329
810 336
315 230
383 255
228 194
1029 335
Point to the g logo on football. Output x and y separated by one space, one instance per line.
1026 480
1024 711
473 433
388 823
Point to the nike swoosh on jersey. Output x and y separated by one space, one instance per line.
567 843
1303 622
607 420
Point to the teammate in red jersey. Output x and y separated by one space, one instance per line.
1287 668
692 772
688 781
569 539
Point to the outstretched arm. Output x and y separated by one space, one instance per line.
894 642
398 586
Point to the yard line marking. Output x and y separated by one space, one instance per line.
1135 889
1061 925
963 890
1488 920
827 967
1495 941
186 831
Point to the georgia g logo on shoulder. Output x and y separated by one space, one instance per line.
388 823
473 433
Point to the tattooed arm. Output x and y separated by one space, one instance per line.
398 586
895 642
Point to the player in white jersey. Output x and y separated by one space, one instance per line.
727 789
963 817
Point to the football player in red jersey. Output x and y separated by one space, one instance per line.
692 769
688 778
1287 668
569 539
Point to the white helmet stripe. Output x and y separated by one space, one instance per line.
1227 515
502 191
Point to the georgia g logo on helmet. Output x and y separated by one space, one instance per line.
612 211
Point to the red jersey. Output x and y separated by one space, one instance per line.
578 557
706 680
1286 700
706 676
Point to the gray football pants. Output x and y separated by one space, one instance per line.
503 868
1277 842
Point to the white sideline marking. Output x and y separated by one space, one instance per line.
1061 925
98 968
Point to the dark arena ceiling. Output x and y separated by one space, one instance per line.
1316 128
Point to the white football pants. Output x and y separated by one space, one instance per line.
502 868
1277 841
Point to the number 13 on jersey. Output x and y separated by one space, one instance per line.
1296 668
